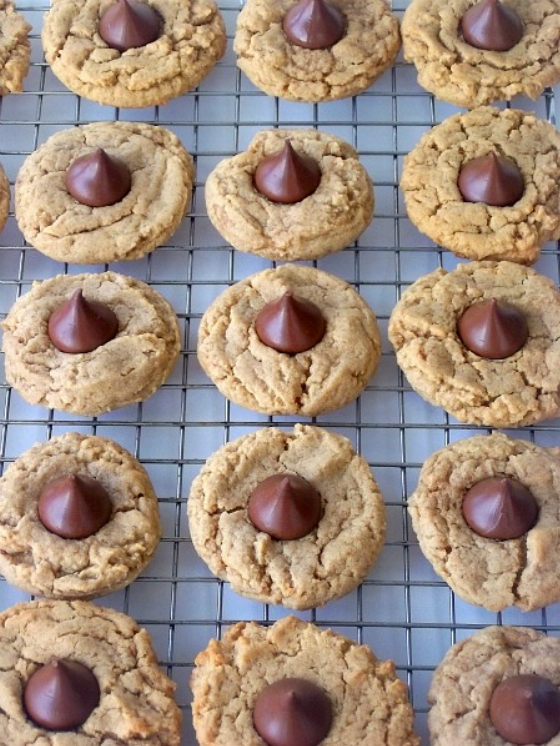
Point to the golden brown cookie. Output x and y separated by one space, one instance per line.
330 560
327 376
522 388
60 226
192 40
369 703
473 229
280 68
4 197
464 682
484 570
15 50
136 703
327 220
126 369
464 75
38 560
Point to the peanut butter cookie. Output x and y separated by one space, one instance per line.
126 368
192 39
135 700
326 372
484 569
281 68
15 50
477 230
456 71
4 198
466 680
160 172
369 703
328 561
45 560
329 219
519 389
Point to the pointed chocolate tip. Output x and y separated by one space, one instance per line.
314 24
61 695
97 179
129 24
491 179
79 325
287 176
290 324
493 329
500 508
525 709
492 26
292 712
74 506
285 506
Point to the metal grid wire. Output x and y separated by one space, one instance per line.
403 611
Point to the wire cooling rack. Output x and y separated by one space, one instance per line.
403 611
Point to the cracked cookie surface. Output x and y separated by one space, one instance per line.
15 50
137 703
465 680
325 564
473 229
326 221
518 390
457 72
328 376
193 39
280 68
370 704
490 573
127 369
40 562
54 222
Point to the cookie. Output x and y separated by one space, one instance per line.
329 219
465 681
40 561
476 230
192 39
455 535
161 174
369 703
369 45
136 700
326 376
4 197
456 71
328 561
127 368
520 389
15 50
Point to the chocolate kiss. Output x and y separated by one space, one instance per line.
314 24
287 176
61 695
128 24
292 712
79 325
97 179
493 329
491 26
500 508
285 506
525 709
290 324
491 179
74 506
